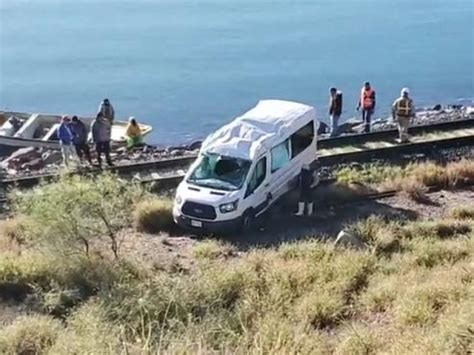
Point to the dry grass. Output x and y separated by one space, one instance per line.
465 212
414 179
213 249
11 234
29 335
153 216
410 290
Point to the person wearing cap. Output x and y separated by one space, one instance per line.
133 133
367 103
107 110
101 129
79 132
306 182
403 110
65 137
335 109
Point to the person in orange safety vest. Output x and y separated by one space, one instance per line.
367 103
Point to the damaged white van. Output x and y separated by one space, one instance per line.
245 166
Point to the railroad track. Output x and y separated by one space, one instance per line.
331 151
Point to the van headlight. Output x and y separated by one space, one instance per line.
228 207
178 200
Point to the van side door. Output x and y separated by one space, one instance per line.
257 187
281 168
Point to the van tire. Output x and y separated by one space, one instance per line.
248 221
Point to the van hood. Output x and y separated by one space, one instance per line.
190 192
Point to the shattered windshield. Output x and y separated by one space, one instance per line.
220 172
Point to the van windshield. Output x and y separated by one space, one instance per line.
220 172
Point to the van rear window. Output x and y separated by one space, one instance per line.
302 139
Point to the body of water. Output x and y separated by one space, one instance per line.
188 66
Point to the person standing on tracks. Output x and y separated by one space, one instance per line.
403 110
101 129
65 137
367 103
107 110
335 109
79 132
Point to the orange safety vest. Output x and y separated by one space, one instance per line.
366 100
404 107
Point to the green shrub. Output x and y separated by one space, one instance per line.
153 216
69 214
29 335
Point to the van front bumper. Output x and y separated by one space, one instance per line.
227 226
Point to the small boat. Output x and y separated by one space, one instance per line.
21 129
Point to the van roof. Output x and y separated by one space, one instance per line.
267 124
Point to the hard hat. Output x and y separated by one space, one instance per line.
405 91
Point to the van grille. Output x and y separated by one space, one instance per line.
198 210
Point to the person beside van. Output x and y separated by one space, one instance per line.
305 182
107 110
65 137
134 134
79 132
403 110
335 110
367 103
101 129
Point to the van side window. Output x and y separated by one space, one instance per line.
301 139
280 155
258 176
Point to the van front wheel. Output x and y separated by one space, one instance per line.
248 221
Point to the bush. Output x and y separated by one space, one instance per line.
153 216
69 214
29 335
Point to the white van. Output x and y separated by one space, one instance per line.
246 166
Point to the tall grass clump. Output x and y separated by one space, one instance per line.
88 331
153 216
29 335
464 212
213 249
413 178
69 214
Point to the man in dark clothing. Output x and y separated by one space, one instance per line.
306 182
335 110
367 103
79 132
101 129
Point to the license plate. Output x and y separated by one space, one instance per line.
197 224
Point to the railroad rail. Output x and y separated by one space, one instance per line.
331 151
